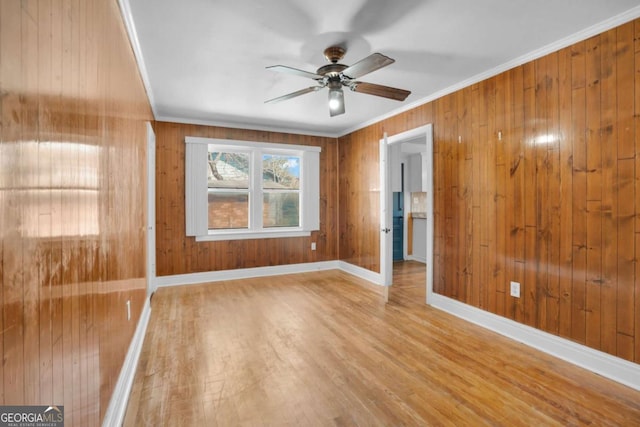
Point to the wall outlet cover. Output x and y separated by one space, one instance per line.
515 289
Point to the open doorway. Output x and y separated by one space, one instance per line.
406 180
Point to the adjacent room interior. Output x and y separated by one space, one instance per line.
294 213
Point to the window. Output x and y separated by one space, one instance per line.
227 189
242 190
280 190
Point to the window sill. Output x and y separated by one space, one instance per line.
235 235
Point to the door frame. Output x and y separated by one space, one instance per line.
386 238
151 210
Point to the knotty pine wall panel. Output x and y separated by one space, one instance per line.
178 254
359 188
72 203
543 189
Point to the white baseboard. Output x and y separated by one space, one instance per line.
276 270
363 273
243 273
608 366
417 258
117 408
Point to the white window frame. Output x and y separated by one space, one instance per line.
196 189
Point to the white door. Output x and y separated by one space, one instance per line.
151 209
386 220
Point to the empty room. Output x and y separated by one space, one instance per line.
301 213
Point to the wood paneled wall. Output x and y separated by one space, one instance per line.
178 254
72 203
543 189
359 187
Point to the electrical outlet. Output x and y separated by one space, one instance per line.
313 246
515 289
128 309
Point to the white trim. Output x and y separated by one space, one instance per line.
196 199
363 273
608 366
244 235
117 408
275 270
427 163
426 132
417 258
244 273
596 29
235 144
310 191
409 135
386 222
196 190
127 17
151 209
248 126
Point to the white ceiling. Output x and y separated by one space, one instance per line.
204 60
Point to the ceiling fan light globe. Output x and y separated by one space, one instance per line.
336 99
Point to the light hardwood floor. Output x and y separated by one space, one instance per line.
323 349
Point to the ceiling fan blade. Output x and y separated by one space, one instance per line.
379 90
367 65
293 94
294 71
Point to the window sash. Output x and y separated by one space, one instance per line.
235 219
279 216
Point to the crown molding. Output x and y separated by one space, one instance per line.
246 126
584 34
127 17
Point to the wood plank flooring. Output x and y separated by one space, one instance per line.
323 349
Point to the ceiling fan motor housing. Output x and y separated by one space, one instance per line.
334 53
331 70
333 84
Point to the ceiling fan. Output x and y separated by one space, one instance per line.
334 76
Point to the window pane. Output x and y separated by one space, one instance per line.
228 210
228 170
280 172
281 209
